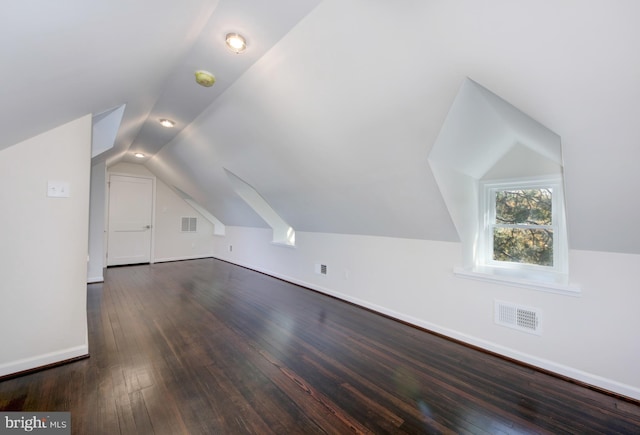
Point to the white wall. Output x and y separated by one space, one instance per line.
43 253
335 137
592 338
169 242
97 223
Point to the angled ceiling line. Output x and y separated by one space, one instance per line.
283 233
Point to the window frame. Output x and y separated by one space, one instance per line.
484 261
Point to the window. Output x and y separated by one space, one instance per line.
523 230
505 239
521 225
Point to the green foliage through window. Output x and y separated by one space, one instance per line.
523 231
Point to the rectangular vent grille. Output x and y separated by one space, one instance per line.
189 225
321 269
514 316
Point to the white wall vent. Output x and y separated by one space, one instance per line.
518 317
321 269
189 224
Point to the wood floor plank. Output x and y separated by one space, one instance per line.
203 346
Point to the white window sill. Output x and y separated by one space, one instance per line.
283 244
550 287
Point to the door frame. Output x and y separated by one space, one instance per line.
153 212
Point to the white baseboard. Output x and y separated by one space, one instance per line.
551 366
188 257
43 360
94 279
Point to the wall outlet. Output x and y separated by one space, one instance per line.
230 248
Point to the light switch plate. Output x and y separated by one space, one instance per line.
58 189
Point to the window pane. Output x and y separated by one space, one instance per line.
523 206
521 245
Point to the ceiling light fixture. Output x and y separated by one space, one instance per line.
167 123
205 78
236 42
139 155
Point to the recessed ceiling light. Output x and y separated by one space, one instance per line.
139 155
236 42
167 123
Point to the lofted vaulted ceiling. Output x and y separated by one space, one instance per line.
332 111
74 57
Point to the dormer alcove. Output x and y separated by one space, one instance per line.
487 142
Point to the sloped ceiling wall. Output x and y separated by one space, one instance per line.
333 126
62 60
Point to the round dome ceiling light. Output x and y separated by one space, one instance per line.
139 155
167 123
236 42
205 78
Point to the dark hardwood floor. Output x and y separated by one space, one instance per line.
206 347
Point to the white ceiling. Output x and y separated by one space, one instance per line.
75 57
332 111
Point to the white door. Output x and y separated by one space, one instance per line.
130 211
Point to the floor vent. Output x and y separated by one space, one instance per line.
514 316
